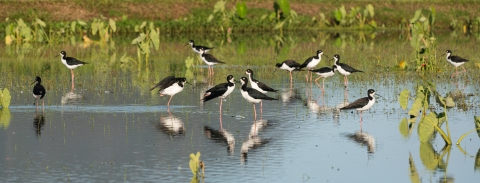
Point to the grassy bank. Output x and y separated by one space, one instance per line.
246 16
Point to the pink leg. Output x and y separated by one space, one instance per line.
291 78
311 76
221 100
316 81
254 112
168 104
73 79
221 121
261 107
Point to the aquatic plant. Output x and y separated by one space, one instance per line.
423 41
145 40
195 165
356 17
5 98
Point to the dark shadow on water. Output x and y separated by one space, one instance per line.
170 125
221 136
363 138
38 122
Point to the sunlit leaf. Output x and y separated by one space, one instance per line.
21 23
193 164
112 25
418 103
403 98
144 23
403 128
210 18
144 47
155 37
82 23
370 9
338 15
241 10
432 15
416 16
219 6
426 128
430 159
477 161
284 5
279 25
5 95
94 27
40 22
414 177
5 117
8 40
139 39
73 26
477 124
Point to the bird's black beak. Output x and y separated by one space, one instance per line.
379 95
188 83
274 70
33 82
57 55
187 44
325 55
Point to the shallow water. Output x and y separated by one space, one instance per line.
114 130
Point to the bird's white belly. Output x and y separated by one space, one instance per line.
207 62
255 86
325 75
366 107
456 64
285 67
342 71
229 90
172 90
313 63
37 96
250 99
70 66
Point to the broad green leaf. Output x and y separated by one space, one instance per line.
155 38
284 5
137 28
210 18
112 25
241 10
370 9
441 119
73 25
338 15
449 102
139 39
279 25
430 159
21 23
8 40
477 124
403 128
418 103
40 22
5 98
477 161
403 99
219 6
193 164
144 48
94 27
432 15
414 177
27 33
5 117
425 127
144 23
151 26
82 23
416 16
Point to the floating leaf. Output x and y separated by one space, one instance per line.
241 10
112 25
403 98
403 128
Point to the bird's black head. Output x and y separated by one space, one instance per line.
319 52
37 79
63 53
244 80
448 52
191 42
230 78
371 92
336 57
249 71
278 65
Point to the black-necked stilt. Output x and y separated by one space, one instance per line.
344 69
71 63
221 90
252 95
311 63
210 60
289 65
170 86
38 91
362 104
324 72
196 48
262 87
455 61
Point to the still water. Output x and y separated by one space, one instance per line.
112 129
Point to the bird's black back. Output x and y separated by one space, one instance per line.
347 68
357 104
165 82
211 58
38 89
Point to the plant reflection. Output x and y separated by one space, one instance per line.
363 138
5 117
170 124
477 161
221 136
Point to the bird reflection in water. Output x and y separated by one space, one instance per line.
253 141
38 122
314 105
72 98
171 124
221 136
363 138
289 95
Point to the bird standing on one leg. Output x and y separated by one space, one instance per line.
39 91
257 85
170 86
220 91
196 48
71 63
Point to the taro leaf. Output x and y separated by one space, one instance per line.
73 25
8 40
219 6
137 28
370 10
425 127
5 117
82 23
27 33
338 15
40 22
279 25
403 127
144 23
5 95
449 102
194 179
210 18
144 48
432 15
284 6
155 38
477 160
477 124
416 16
94 27
241 10
414 177
139 39
272 16
193 164
418 103
430 159
21 23
441 119
112 25
403 99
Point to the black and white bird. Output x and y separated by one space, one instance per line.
71 63
252 95
311 63
210 60
196 48
262 87
220 91
324 72
362 104
455 61
170 86
39 91
289 65
344 69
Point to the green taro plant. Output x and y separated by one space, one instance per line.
147 39
196 165
423 41
356 17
